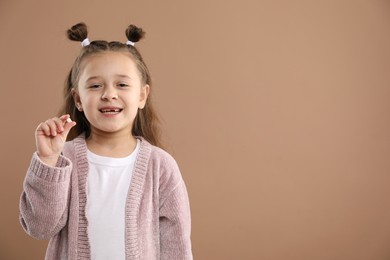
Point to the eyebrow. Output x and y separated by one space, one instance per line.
117 75
124 76
92 78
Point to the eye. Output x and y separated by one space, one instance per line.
94 86
123 85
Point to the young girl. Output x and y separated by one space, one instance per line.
108 192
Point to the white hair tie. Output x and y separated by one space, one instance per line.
85 42
130 43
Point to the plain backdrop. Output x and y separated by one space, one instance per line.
277 113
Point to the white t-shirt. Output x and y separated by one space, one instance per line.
107 186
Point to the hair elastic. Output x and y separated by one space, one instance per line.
85 42
130 43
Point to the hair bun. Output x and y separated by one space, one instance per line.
78 32
134 33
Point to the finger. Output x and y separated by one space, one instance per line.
53 126
67 127
59 124
43 127
64 117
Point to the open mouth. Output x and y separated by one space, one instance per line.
110 110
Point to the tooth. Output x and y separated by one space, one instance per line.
116 110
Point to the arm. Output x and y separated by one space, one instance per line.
175 225
44 201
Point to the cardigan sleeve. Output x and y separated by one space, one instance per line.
175 225
44 200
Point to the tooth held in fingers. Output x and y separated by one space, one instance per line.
69 120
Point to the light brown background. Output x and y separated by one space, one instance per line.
276 111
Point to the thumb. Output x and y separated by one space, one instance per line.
68 124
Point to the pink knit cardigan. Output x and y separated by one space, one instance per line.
158 221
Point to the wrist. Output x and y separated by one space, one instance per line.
49 160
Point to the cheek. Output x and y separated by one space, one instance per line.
88 97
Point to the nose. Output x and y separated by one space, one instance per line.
109 93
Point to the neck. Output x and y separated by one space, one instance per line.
111 144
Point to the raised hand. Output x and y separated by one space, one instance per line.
50 137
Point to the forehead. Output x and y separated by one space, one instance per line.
109 62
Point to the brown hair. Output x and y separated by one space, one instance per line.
146 122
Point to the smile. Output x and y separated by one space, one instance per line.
110 110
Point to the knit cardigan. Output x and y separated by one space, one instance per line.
157 213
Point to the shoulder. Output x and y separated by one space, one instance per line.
161 163
156 155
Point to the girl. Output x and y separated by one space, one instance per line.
108 192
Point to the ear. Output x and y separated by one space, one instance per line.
144 95
76 98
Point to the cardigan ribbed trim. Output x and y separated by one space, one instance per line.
83 247
134 199
51 174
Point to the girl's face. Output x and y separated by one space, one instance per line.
110 92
